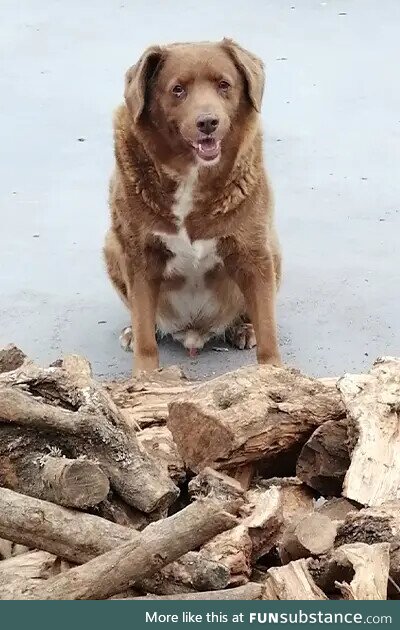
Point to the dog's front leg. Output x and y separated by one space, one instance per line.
143 301
255 275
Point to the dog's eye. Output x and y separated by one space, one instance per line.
178 91
224 86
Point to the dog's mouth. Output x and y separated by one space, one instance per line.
207 149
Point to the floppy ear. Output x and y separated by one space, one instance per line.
137 80
252 69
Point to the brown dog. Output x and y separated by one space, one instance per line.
192 249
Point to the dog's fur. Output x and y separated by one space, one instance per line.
192 249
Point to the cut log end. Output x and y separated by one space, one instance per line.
76 483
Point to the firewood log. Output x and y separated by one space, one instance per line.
254 536
356 570
79 537
325 458
255 413
158 545
372 403
249 591
292 582
312 535
371 568
143 400
375 525
210 482
78 414
158 442
27 466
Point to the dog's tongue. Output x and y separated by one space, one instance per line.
208 149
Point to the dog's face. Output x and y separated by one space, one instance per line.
194 94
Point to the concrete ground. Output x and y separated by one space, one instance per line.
332 121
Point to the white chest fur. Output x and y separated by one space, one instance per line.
191 260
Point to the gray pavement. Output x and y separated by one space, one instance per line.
332 138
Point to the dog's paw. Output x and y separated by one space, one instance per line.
241 336
126 339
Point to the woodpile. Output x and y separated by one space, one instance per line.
259 484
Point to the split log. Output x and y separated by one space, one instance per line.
11 358
159 444
325 458
312 535
79 537
375 525
143 400
27 467
372 402
249 591
240 547
158 545
357 570
296 499
292 582
255 413
371 567
79 416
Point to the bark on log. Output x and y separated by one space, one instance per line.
312 535
159 443
249 591
325 458
79 537
375 525
371 567
292 582
79 414
372 402
213 483
240 547
144 400
73 535
27 467
192 572
255 413
158 545
11 358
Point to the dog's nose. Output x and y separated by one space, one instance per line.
207 123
